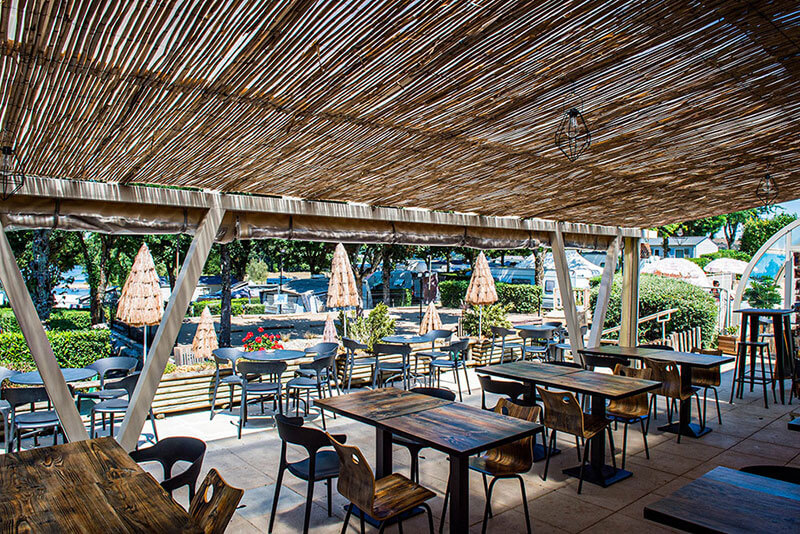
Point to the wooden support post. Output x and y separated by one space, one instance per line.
567 295
167 333
38 343
604 292
629 325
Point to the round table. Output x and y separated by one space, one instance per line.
535 327
33 378
405 339
277 355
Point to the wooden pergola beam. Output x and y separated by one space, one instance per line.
167 333
39 344
567 294
604 293
629 324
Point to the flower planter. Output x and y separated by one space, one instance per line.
727 344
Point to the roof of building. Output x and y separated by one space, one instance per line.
688 241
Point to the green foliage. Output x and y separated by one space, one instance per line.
762 293
254 309
257 271
696 307
757 231
520 298
214 306
73 348
8 321
370 329
407 296
70 320
170 368
494 315
705 259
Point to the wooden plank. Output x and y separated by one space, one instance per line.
565 288
371 406
526 371
168 329
609 386
37 341
629 324
693 359
604 292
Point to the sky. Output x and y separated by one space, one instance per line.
791 206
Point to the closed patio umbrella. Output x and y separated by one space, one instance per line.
481 290
140 303
205 338
329 334
431 320
342 290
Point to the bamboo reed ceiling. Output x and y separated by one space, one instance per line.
438 105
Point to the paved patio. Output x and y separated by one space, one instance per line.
749 435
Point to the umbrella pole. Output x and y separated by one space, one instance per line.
344 326
144 353
480 321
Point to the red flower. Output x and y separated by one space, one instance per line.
260 329
258 339
248 336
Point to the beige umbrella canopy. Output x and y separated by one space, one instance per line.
342 290
140 302
481 290
329 334
205 339
431 320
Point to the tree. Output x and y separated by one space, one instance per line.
225 293
367 265
239 257
733 221
757 231
96 250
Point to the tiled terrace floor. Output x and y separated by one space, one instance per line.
749 435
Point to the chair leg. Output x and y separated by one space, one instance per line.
414 466
309 500
700 414
346 518
466 376
486 494
153 421
458 383
488 506
330 497
644 437
525 503
361 518
91 426
624 443
716 399
277 495
430 516
583 465
242 414
578 447
213 399
548 454
611 446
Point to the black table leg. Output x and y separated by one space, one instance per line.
781 351
539 451
684 424
383 453
597 472
459 494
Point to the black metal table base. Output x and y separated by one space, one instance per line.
357 513
692 430
608 474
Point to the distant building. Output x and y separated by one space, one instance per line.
683 247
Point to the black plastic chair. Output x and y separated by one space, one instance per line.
432 354
306 384
320 349
319 465
351 346
394 369
456 359
251 375
511 390
413 446
224 356
563 344
5 406
502 333
595 361
536 342
107 368
35 422
112 407
168 452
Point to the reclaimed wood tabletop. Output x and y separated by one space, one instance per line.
692 359
526 371
84 486
730 501
371 406
599 384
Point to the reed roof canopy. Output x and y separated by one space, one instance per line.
448 106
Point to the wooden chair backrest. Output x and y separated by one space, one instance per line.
214 503
356 480
520 452
635 404
668 374
562 411
712 376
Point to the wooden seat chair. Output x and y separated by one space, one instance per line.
562 413
708 379
631 409
214 504
382 499
670 377
507 461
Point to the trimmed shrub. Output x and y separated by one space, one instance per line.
8 321
73 348
370 329
520 298
452 292
214 306
254 309
696 307
70 320
494 315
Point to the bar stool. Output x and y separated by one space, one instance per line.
756 349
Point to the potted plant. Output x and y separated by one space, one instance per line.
727 342
762 293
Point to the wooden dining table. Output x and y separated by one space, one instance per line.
686 361
84 486
730 501
453 428
600 387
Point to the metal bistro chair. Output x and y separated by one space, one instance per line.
506 461
322 377
456 352
214 504
317 466
502 333
670 377
394 369
320 349
5 407
257 388
432 354
708 379
224 356
112 407
381 499
106 368
512 390
170 451
35 422
562 413
596 361
536 342
351 347
563 345
630 409
414 447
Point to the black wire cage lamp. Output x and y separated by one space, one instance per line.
767 190
12 173
573 136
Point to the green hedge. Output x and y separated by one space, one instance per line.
254 309
8 321
59 320
73 348
214 306
519 298
696 307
